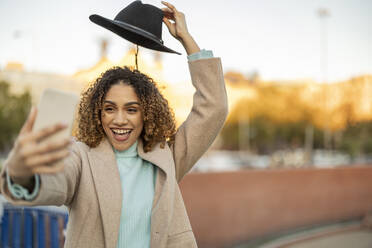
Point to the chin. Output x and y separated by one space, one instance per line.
123 147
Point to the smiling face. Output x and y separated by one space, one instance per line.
121 116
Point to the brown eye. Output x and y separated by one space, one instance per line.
132 110
109 109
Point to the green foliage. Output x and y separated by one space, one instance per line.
356 139
13 113
265 136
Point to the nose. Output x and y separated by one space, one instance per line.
120 118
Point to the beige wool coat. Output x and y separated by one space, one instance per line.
90 183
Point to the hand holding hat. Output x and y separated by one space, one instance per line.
178 28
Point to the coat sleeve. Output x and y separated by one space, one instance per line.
55 189
207 116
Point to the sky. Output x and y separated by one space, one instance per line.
279 39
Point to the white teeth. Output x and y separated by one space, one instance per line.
120 131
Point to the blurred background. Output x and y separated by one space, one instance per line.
299 81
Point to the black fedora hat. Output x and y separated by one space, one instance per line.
138 23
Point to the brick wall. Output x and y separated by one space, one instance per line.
230 208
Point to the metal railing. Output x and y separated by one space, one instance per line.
29 227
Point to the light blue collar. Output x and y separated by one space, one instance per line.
129 153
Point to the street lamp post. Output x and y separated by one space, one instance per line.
323 15
21 34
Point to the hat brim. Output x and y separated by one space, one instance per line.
131 33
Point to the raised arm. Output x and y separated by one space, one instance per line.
209 109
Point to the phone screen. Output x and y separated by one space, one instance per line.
54 107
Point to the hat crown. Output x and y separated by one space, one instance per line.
143 16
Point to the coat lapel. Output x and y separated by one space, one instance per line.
164 191
106 178
162 158
108 187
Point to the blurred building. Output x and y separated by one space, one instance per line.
21 80
331 105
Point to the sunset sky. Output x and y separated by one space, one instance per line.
278 38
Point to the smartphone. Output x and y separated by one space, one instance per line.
56 106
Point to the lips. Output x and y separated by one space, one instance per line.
121 134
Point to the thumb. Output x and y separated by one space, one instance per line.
27 127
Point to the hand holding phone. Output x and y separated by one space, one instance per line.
44 138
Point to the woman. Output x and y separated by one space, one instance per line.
120 178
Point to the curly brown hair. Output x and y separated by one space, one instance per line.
158 118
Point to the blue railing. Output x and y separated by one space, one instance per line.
29 227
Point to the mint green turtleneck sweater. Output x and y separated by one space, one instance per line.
137 178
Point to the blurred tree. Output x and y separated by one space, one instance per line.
277 118
356 139
266 136
13 113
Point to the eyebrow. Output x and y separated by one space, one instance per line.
126 105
